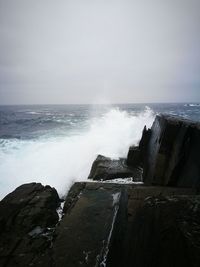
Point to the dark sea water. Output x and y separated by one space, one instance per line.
56 144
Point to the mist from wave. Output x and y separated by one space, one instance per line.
61 160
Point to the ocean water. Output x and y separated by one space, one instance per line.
56 144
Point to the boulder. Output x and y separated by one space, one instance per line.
172 153
26 216
104 168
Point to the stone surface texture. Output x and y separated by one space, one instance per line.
105 168
172 154
26 214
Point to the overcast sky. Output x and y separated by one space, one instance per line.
99 51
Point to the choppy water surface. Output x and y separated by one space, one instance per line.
56 145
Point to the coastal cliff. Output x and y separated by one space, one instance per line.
149 215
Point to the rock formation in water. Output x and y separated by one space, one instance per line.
104 168
169 152
101 224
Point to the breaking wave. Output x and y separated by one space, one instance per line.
61 160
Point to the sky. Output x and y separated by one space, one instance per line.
99 51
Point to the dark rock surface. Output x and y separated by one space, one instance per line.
105 168
83 235
128 225
104 224
25 216
165 231
172 154
137 154
146 224
134 158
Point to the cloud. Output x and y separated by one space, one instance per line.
85 51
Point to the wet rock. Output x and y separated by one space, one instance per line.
105 168
103 224
165 232
143 144
83 236
134 157
97 226
25 216
172 154
137 154
72 196
155 226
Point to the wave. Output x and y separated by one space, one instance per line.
192 105
59 161
33 112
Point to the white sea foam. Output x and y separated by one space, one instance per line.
61 161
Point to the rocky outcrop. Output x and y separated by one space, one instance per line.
155 226
137 154
101 223
164 231
172 153
168 154
83 236
27 217
134 158
105 168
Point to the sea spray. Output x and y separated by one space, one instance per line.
61 160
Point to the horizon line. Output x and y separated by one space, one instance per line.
90 104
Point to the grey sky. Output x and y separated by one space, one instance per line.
95 51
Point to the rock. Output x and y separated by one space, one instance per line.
156 226
134 157
83 236
172 154
25 216
100 226
143 144
103 224
137 154
97 223
165 232
104 168
73 195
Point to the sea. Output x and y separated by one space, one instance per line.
57 144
